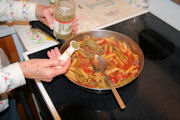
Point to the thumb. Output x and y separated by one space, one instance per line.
53 62
62 62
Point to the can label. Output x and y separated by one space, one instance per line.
62 28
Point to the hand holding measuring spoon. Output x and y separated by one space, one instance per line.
68 52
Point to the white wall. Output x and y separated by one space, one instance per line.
167 11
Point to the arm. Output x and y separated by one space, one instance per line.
26 11
11 77
17 10
14 75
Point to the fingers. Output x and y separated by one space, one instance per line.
62 63
50 55
45 14
68 62
56 62
48 14
66 66
52 71
53 63
57 52
75 26
63 69
54 53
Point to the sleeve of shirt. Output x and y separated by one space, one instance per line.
17 10
11 77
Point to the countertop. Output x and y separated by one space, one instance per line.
108 12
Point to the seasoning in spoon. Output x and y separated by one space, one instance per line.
75 45
69 51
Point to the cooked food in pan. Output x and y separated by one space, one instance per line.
123 63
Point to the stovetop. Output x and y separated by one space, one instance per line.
153 95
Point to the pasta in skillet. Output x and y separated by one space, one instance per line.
123 64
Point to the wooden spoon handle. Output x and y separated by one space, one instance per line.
116 94
118 98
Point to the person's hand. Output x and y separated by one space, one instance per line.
54 54
45 14
45 69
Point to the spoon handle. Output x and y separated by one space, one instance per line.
116 94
